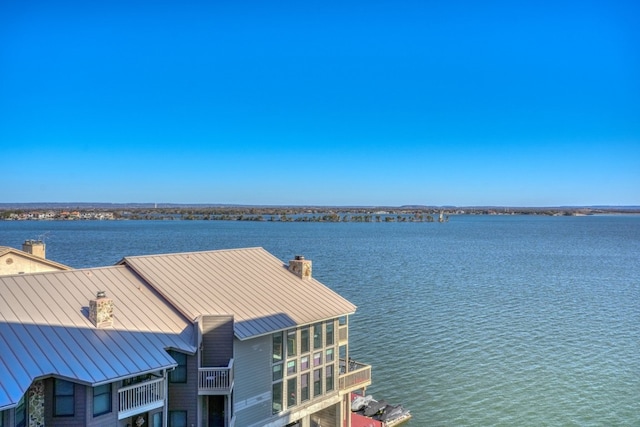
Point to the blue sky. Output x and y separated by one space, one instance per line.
321 103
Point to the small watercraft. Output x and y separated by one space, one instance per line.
374 407
360 402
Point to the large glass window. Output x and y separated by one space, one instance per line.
292 343
329 355
317 382
291 367
304 363
304 340
329 333
63 398
277 372
329 377
101 399
179 374
277 347
317 358
276 398
304 387
292 391
317 336
177 418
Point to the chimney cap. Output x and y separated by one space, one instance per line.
299 258
101 294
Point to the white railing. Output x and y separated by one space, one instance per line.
141 397
216 380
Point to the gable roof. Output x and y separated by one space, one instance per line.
6 250
45 329
251 284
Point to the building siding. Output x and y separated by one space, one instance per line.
253 381
184 396
217 340
80 406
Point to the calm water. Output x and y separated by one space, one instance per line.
481 321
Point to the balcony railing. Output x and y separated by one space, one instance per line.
353 375
215 380
141 397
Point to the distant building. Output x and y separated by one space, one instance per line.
217 338
31 259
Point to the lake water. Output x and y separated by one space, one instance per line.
481 321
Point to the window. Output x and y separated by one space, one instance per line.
317 335
101 399
291 343
21 413
177 418
291 367
277 347
329 355
304 387
329 332
276 398
304 340
317 358
179 374
277 372
291 391
157 419
317 382
329 377
304 363
63 398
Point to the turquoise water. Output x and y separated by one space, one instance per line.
481 321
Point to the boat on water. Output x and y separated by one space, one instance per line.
366 411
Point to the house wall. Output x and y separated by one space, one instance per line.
252 395
80 406
217 340
184 396
12 263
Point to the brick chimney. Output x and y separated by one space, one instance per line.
300 267
101 310
34 247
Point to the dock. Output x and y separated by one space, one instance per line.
358 419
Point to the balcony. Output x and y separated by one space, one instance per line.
353 376
141 397
215 380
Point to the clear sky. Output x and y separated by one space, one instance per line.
448 102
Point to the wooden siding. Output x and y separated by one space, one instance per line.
184 396
217 340
253 381
80 406
327 417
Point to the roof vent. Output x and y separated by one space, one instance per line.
101 310
300 267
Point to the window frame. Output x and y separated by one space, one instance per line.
59 396
176 413
108 394
179 374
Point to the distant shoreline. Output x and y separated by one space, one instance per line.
83 212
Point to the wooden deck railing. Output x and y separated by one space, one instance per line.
141 397
353 375
215 380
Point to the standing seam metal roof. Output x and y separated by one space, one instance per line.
45 329
250 284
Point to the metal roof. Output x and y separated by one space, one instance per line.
45 329
251 284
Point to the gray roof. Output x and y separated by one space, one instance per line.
251 284
45 330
